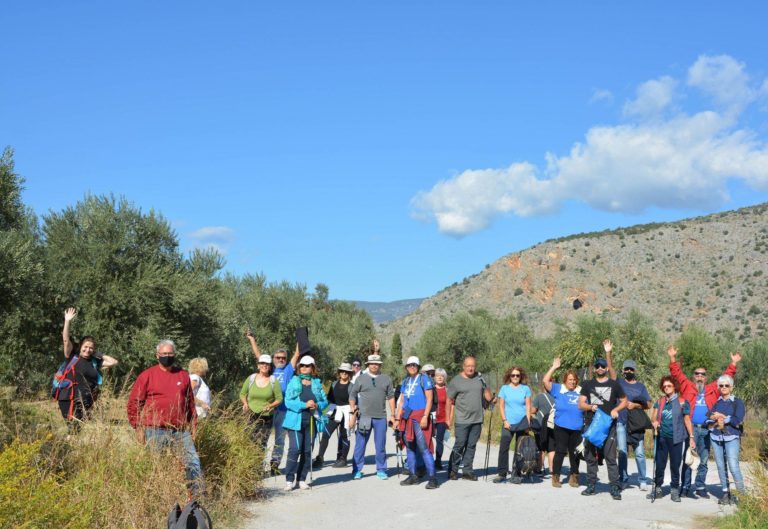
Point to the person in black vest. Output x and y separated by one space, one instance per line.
83 373
338 398
606 394
672 421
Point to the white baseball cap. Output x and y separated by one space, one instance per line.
413 360
265 359
307 361
427 367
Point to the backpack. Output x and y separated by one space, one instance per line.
62 379
193 516
526 455
252 381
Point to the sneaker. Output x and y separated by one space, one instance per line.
469 476
410 480
573 480
702 493
656 493
643 486
381 475
432 483
317 462
690 494
339 464
616 492
288 486
589 491
453 476
675 495
499 479
724 499
357 475
515 480
303 485
421 472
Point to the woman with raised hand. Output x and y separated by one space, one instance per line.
515 410
672 422
305 400
725 428
569 420
81 377
260 395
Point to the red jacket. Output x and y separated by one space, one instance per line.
688 389
162 399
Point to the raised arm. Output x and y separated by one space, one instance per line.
608 348
295 357
547 380
252 340
69 315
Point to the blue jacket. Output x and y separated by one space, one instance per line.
295 405
734 410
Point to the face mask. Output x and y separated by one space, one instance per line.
167 361
629 376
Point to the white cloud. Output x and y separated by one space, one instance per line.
217 237
652 97
601 95
678 161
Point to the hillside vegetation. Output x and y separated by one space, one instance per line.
711 271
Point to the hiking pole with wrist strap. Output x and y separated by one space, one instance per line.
655 447
488 444
727 479
311 447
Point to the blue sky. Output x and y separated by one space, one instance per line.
388 150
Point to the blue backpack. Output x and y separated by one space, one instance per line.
64 378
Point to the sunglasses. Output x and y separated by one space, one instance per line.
723 385
515 375
411 365
700 373
300 367
629 370
355 365
283 358
667 386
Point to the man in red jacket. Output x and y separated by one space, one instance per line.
701 397
161 408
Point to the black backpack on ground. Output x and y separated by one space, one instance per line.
526 456
192 516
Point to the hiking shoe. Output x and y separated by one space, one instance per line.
303 485
453 476
616 492
339 464
381 475
438 465
643 486
702 493
589 491
317 462
288 486
690 494
469 476
556 481
357 475
410 480
656 492
675 495
724 500
499 479
432 483
573 480
515 480
421 472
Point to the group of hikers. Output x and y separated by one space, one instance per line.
285 397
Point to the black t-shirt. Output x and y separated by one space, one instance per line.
85 376
605 394
339 394
305 396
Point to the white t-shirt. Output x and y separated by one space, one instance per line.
203 393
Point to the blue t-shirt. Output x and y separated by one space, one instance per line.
700 410
567 412
636 392
283 375
413 392
514 402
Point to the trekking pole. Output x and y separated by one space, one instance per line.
311 447
727 479
655 442
488 444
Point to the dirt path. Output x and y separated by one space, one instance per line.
336 501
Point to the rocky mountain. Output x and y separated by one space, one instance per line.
710 270
382 312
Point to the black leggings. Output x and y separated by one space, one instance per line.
440 429
343 447
566 441
75 412
504 442
667 449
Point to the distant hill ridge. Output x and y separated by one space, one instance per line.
382 312
710 270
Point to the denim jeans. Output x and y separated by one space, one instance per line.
299 454
419 446
379 429
623 445
182 443
277 420
728 450
701 435
463 453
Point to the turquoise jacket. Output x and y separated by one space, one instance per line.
295 405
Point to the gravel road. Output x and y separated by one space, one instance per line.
335 500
